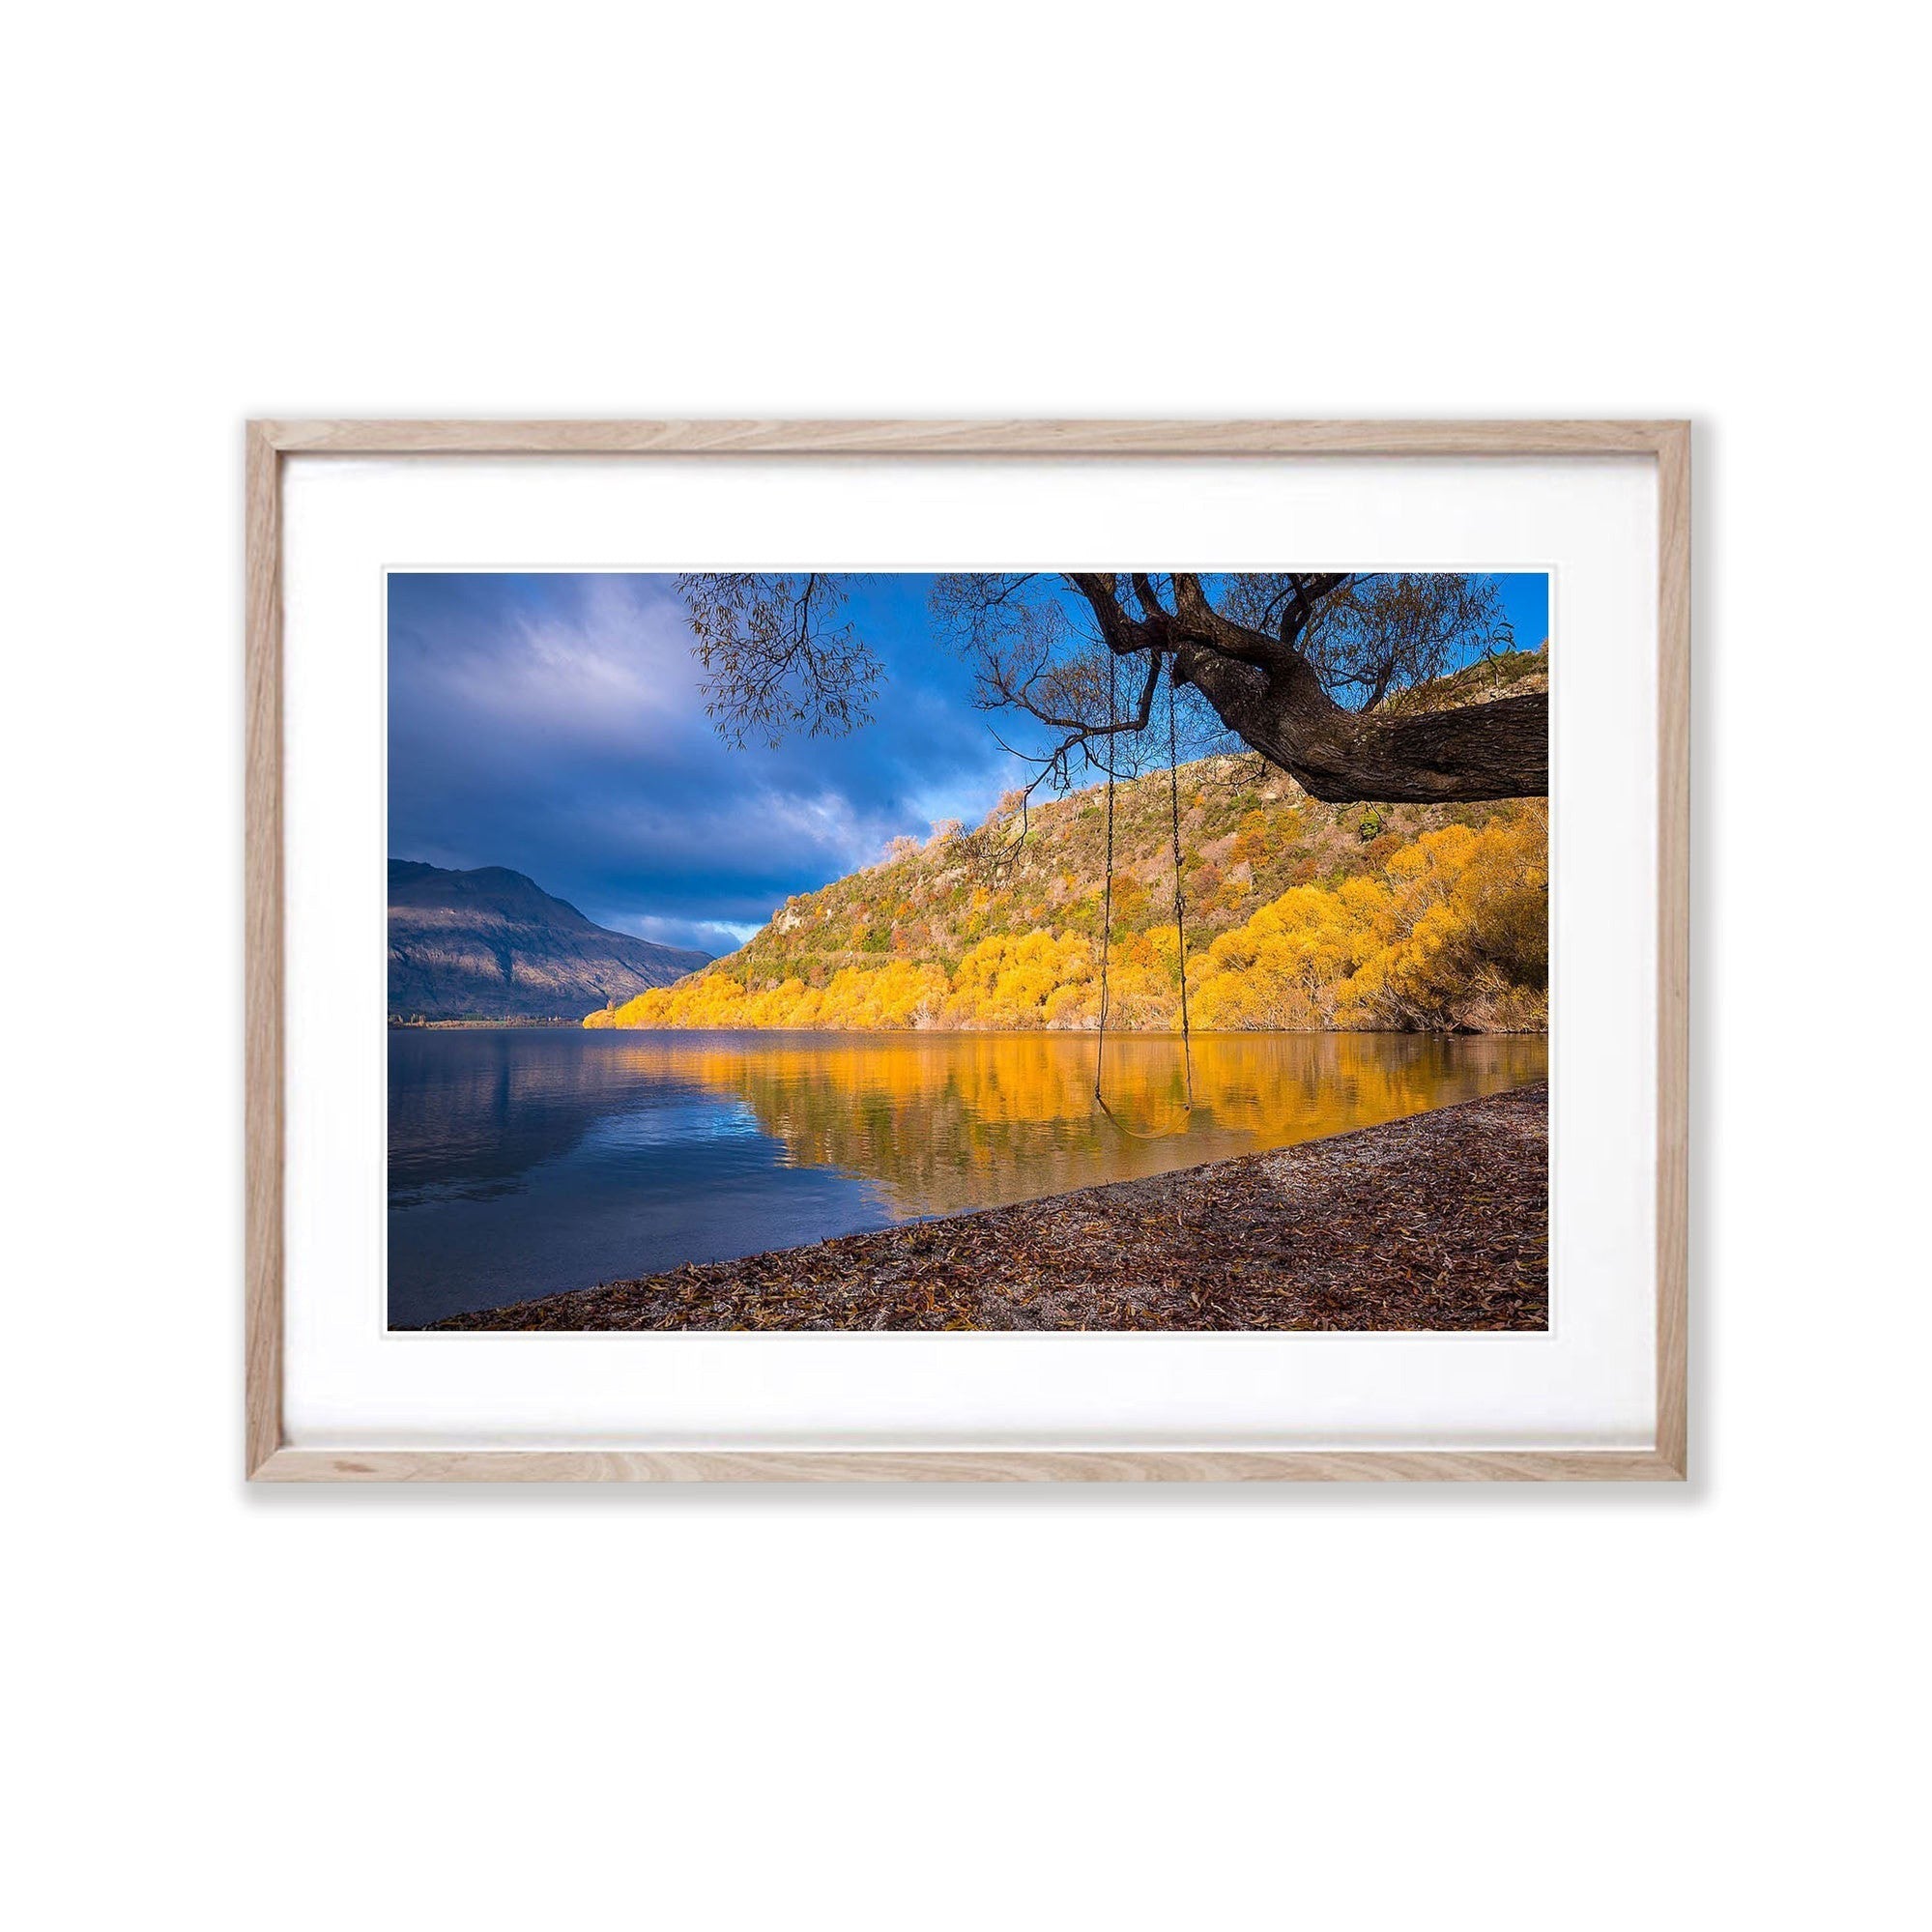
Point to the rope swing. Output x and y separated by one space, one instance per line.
1107 911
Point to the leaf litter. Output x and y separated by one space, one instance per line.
1439 1221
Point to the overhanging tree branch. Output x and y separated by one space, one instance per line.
1272 656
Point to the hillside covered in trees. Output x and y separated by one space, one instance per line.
1299 915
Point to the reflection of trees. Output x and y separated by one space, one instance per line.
940 1121
969 1120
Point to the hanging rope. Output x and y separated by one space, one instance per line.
1107 910
1180 901
1105 896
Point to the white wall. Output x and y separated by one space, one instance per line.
1340 1709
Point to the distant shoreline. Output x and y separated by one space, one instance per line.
417 1024
1436 1221
1114 1034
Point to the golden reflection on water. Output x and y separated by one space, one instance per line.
945 1122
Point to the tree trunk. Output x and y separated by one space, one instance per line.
1460 755
1267 693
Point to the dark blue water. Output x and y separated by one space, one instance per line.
522 1162
529 1161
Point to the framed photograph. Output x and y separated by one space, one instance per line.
967 951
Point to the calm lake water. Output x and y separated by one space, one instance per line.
526 1161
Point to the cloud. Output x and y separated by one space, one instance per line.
706 935
553 724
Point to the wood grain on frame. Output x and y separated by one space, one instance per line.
968 1465
1035 438
263 994
269 1458
1673 943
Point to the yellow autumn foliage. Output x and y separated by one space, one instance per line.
1454 934
1451 933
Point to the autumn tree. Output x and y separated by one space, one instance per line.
1316 671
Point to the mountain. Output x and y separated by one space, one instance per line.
491 944
1298 914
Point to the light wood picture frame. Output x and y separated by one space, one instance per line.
271 1458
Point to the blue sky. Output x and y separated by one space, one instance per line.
552 724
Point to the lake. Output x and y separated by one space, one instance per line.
527 1161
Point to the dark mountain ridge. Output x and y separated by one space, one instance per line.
492 944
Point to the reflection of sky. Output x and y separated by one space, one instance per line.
669 1126
552 724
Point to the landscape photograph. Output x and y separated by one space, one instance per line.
1082 950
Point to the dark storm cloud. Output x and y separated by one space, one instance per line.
554 725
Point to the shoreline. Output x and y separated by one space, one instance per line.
1115 1031
1437 1221
1089 1033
